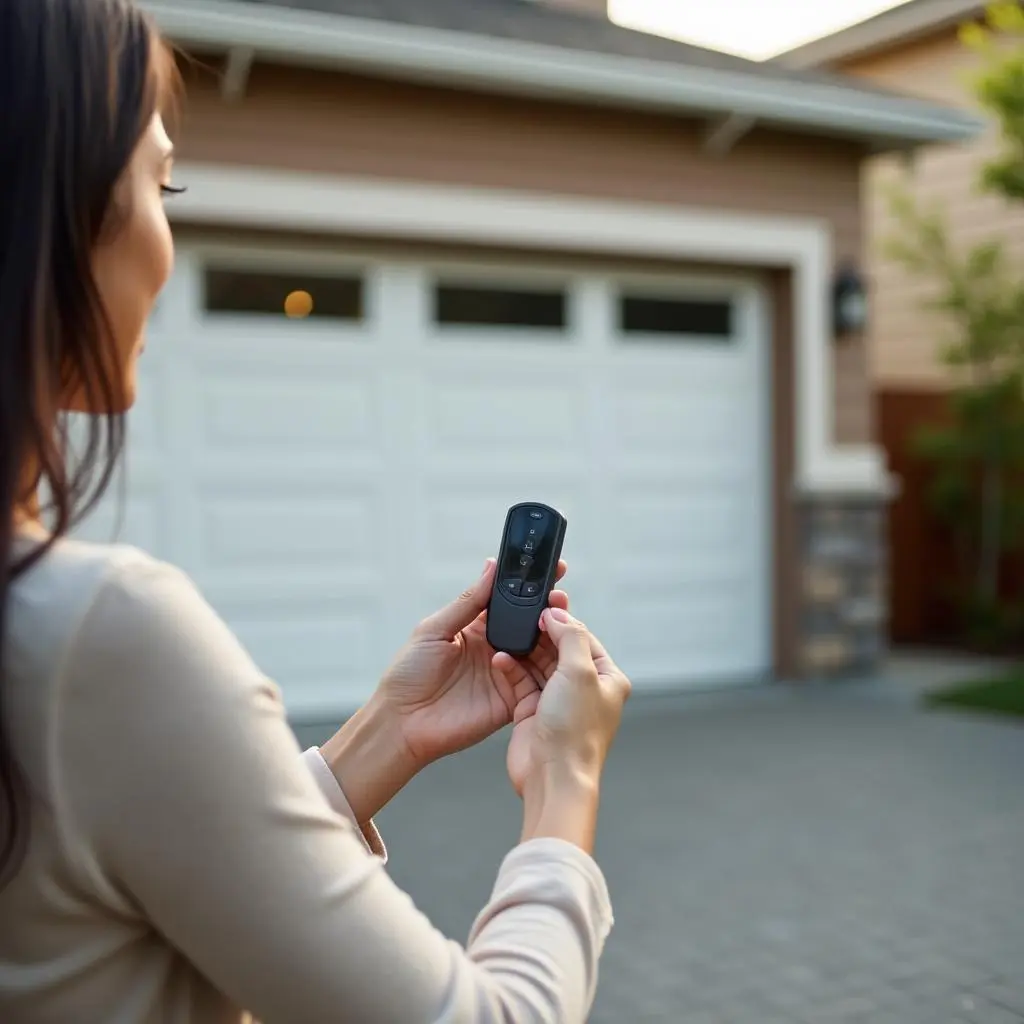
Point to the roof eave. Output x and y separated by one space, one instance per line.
512 67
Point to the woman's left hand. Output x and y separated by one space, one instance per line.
445 690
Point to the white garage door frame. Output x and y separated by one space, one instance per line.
287 200
182 355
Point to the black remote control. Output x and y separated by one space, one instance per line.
527 565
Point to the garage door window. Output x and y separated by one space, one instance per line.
644 316
292 296
473 305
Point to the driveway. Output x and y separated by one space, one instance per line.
813 856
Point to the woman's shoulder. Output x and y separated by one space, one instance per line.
123 601
48 601
116 606
110 627
52 600
77 599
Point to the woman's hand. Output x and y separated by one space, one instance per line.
446 690
445 687
562 735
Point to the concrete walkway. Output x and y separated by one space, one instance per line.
801 855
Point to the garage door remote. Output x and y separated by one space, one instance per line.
527 565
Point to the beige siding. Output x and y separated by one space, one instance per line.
906 340
314 121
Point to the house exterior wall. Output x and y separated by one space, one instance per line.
315 121
905 340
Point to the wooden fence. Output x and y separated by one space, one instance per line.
922 564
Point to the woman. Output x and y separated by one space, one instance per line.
168 854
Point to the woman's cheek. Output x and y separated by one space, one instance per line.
157 253
164 248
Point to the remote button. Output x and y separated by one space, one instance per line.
533 531
530 545
525 561
531 589
512 587
536 515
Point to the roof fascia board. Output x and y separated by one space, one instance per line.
550 72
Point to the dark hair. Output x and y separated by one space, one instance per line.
80 81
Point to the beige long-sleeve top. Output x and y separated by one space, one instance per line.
188 864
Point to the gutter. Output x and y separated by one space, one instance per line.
438 56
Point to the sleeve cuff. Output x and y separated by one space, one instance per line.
538 856
328 785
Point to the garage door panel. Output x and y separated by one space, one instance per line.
539 414
259 337
324 352
678 576
303 590
276 472
284 532
312 633
671 417
650 469
329 648
688 523
720 363
481 363
516 468
508 410
681 635
290 415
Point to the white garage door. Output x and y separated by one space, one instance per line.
330 476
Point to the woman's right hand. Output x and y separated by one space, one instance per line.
562 735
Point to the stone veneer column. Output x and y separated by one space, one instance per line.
844 607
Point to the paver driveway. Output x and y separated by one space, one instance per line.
812 856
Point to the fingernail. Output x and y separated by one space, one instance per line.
559 614
487 566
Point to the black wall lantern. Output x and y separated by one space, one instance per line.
849 302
